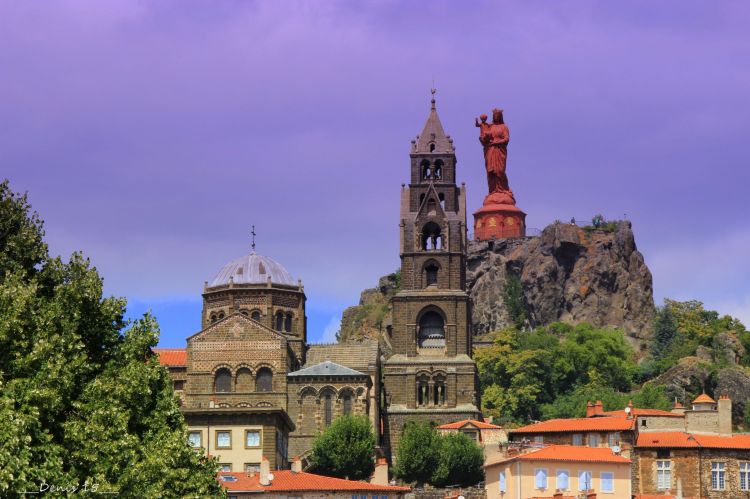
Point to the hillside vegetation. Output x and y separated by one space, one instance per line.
550 372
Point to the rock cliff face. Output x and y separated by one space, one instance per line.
567 274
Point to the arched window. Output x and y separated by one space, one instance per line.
255 315
279 321
223 381
426 170
439 391
328 409
213 318
438 170
441 197
432 239
244 381
288 323
221 315
244 312
432 147
431 330
423 391
347 402
264 380
431 274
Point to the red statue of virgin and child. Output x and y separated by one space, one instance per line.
499 217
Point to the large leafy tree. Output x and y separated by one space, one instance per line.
426 456
83 400
345 449
418 453
461 462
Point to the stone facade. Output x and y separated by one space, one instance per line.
431 376
238 374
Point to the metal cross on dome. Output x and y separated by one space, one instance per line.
252 232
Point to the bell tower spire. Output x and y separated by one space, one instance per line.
431 375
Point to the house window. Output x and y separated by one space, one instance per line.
223 381
613 439
501 481
195 439
539 439
264 380
179 384
279 321
252 467
744 476
577 439
607 482
225 467
584 480
562 480
540 478
643 423
347 404
594 440
252 438
663 475
255 315
224 439
717 476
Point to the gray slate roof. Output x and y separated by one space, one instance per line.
326 368
361 357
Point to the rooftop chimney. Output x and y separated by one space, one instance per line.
598 408
265 472
297 465
589 409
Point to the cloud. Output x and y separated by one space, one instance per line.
333 327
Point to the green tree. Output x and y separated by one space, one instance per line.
418 453
665 330
345 449
460 463
83 398
514 301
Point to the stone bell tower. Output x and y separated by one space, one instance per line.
431 376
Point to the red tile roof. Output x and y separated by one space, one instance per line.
289 481
644 412
174 357
682 440
460 424
569 453
703 399
578 424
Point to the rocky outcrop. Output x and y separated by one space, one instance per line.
568 274
372 316
689 377
693 375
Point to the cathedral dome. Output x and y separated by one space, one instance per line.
252 269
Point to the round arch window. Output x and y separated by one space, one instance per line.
431 330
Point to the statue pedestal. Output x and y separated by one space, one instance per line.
497 220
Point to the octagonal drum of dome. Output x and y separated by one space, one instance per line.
253 269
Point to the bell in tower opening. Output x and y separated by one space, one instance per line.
499 216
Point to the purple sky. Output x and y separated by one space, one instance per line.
152 134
